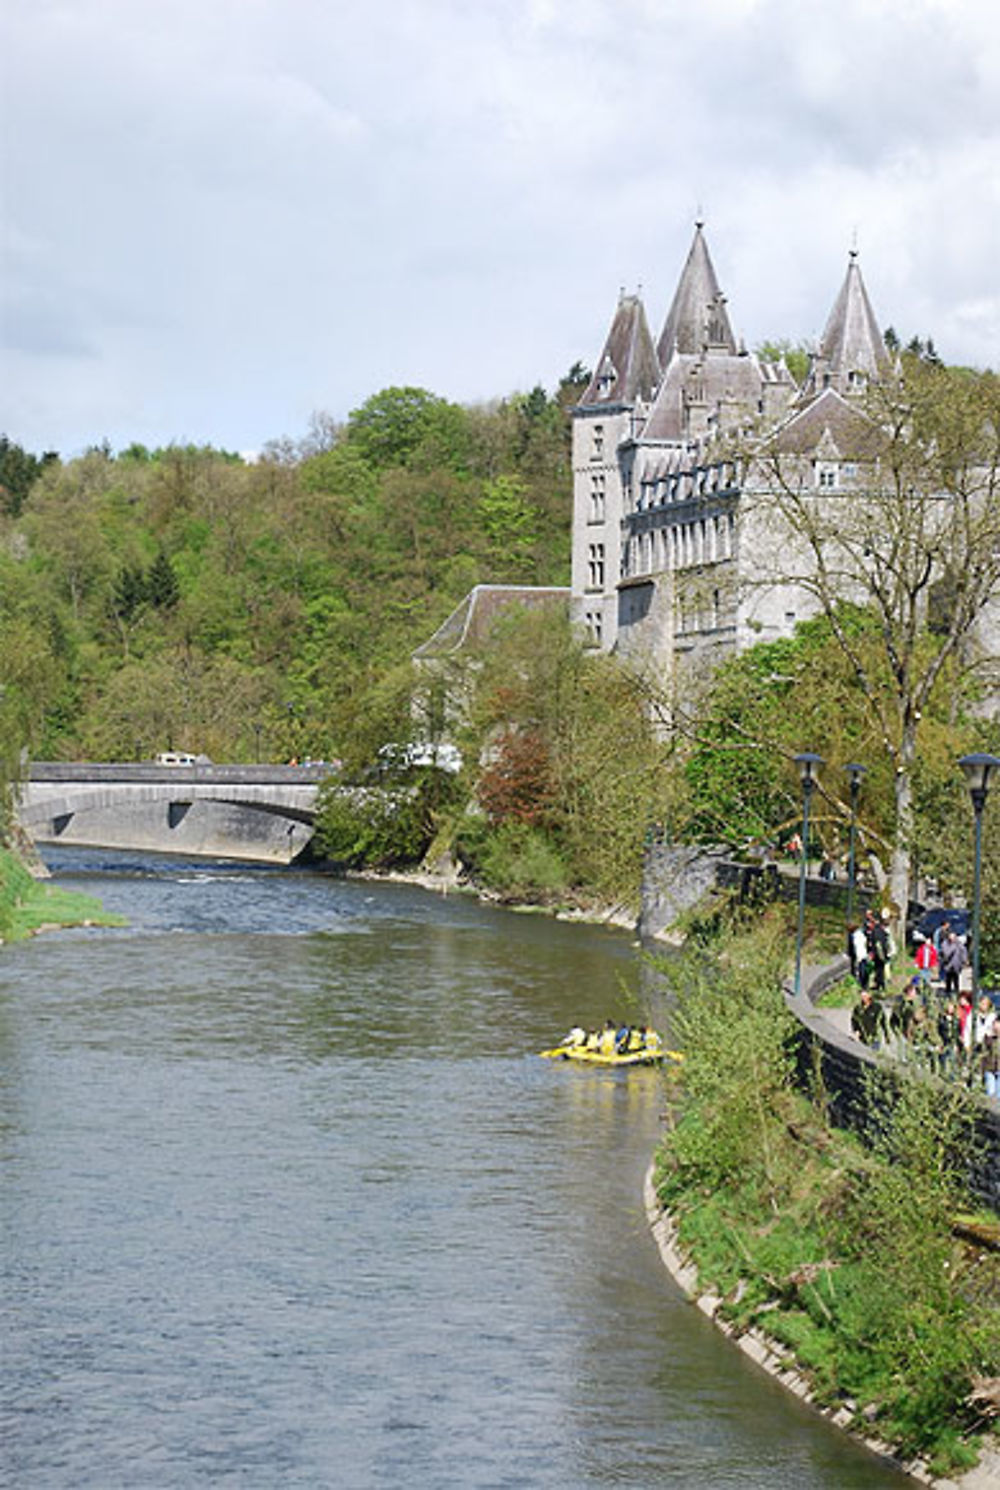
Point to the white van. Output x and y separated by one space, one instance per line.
175 758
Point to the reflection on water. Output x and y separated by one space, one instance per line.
289 1199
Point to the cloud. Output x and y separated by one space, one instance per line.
225 214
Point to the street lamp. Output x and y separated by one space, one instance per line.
808 764
855 772
978 769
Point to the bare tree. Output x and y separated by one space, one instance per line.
892 503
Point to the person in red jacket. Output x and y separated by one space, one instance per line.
926 960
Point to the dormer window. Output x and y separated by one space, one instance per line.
606 379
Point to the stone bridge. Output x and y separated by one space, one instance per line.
262 813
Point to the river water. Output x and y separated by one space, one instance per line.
288 1199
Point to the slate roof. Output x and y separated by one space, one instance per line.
474 617
628 368
697 316
709 379
851 342
829 422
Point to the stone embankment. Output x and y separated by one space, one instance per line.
776 1361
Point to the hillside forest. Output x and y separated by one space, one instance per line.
184 598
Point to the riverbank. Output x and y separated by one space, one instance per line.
29 906
837 1262
772 1357
452 883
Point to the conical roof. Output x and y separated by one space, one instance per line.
851 352
627 368
697 317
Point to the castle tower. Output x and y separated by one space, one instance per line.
851 352
697 318
607 417
709 381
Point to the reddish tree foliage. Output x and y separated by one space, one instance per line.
517 786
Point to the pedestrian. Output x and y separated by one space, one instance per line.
953 959
890 940
926 960
868 1020
904 1010
922 1039
984 1021
949 1028
877 938
858 944
965 1026
989 1061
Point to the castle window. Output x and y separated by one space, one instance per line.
597 498
826 475
595 566
598 450
592 620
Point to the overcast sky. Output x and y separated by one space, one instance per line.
221 215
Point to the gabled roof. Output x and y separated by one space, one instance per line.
474 617
697 317
721 385
829 427
628 368
851 352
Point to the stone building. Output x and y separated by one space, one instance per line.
668 563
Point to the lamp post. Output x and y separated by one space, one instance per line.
855 772
808 764
978 769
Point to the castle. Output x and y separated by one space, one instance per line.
666 563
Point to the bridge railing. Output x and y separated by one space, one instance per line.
151 772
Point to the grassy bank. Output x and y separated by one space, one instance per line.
27 905
843 1255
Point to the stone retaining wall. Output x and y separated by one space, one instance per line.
676 877
842 1064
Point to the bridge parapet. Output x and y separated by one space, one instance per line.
262 813
152 772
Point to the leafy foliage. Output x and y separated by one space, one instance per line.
133 586
844 1255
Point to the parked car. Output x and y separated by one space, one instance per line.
928 922
181 758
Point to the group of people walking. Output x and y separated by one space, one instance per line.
933 1021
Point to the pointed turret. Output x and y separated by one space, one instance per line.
627 369
697 320
851 352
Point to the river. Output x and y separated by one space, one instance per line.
288 1199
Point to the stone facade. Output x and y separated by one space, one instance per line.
668 548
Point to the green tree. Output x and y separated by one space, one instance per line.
924 512
395 426
161 587
796 356
18 473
